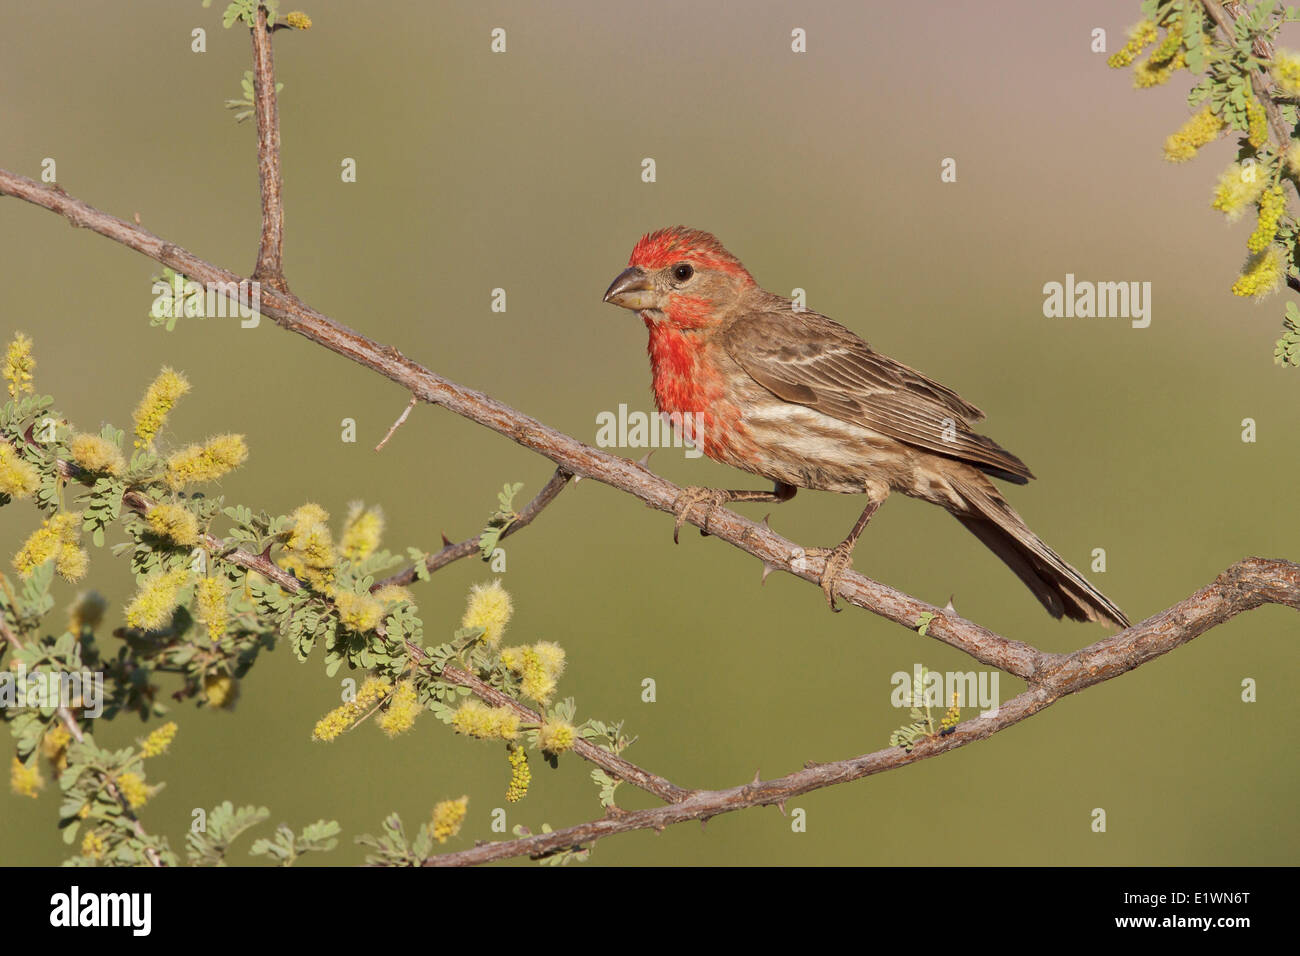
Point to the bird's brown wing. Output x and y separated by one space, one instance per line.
808 359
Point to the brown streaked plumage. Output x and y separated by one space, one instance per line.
794 397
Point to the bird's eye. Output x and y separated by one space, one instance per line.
683 271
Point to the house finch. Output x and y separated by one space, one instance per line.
798 399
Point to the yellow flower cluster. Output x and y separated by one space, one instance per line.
298 20
489 608
1257 123
159 398
310 546
158 741
1239 187
1271 206
1155 73
24 780
448 815
210 596
58 538
97 454
557 736
206 462
402 710
1202 128
520 775
1286 72
362 532
952 717
18 366
174 522
477 719
54 746
93 845
18 478
221 690
153 604
358 612
539 667
1292 159
1139 37
133 789
1261 275
342 718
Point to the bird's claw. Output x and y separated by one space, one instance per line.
838 560
688 499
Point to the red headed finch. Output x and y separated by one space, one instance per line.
798 399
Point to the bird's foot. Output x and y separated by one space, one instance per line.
692 496
838 560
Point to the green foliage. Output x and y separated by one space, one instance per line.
208 845
501 519
921 726
244 105
1287 350
286 847
563 857
391 848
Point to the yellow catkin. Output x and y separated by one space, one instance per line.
207 462
96 454
1286 72
221 690
1202 128
520 775
158 741
402 710
361 532
18 366
1261 275
1239 187
1271 206
490 608
1139 37
174 522
477 719
133 789
448 815
86 612
25 781
159 398
298 20
210 597
557 736
18 478
157 598
343 718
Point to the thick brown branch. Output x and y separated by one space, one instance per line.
270 252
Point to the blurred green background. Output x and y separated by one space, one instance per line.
821 171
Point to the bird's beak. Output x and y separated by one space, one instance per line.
631 290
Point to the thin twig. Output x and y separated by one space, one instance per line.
397 424
454 552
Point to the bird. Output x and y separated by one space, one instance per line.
789 395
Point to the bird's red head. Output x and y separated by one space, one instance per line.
683 276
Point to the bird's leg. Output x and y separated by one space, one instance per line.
840 557
714 497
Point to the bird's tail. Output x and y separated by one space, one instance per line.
1061 589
